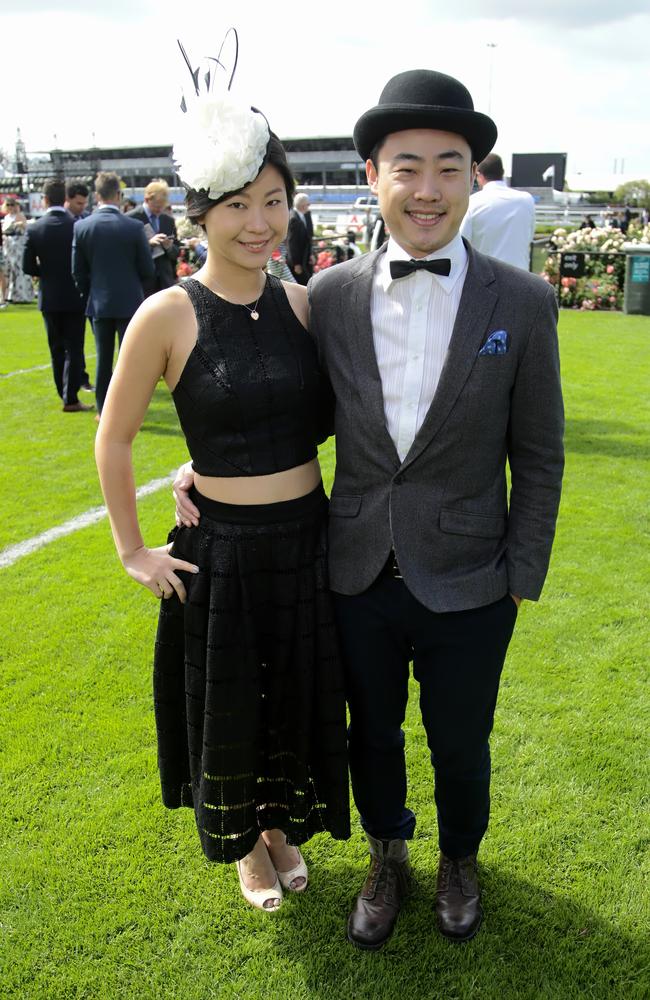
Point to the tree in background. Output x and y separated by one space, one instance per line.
633 193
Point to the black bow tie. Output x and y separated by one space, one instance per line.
400 268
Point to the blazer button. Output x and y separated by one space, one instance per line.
399 479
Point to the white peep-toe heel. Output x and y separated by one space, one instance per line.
288 878
268 900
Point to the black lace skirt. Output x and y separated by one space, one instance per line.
248 684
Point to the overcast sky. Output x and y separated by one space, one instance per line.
566 77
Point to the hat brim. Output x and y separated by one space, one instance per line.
479 130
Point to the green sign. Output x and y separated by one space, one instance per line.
640 269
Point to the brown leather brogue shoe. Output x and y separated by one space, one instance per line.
77 408
378 904
458 898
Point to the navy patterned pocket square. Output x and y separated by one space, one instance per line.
497 343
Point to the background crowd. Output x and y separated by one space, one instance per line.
500 221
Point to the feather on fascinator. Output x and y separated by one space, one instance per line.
221 141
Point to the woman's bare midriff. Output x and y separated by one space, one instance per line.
275 488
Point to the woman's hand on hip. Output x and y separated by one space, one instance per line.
187 513
156 569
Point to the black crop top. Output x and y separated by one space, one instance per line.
251 399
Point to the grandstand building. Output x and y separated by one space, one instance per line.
320 162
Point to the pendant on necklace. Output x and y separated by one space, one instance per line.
254 314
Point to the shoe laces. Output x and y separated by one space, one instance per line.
458 873
382 878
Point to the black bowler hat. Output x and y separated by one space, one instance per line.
422 98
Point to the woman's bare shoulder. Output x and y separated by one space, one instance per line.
165 308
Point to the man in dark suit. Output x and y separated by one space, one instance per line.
111 260
161 234
76 200
47 255
299 240
76 203
444 363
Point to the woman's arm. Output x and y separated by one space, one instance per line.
143 358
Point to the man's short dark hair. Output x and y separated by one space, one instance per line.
107 186
375 151
75 188
491 167
54 191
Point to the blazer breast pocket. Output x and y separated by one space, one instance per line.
492 374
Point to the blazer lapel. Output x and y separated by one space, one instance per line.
470 329
356 295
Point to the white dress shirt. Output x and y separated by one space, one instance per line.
412 322
500 221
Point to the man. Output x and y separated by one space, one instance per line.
76 200
500 221
444 364
47 255
76 203
161 234
299 240
111 260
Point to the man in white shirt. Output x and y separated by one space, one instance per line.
444 365
500 221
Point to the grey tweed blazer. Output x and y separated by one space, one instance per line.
460 541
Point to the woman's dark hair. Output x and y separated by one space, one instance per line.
197 203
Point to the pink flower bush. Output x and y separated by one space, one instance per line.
323 260
601 286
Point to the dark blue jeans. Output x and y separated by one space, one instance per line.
457 660
105 330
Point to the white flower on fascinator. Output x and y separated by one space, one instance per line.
220 145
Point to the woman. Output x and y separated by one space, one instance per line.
19 288
248 688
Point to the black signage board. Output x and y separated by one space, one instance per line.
572 265
538 170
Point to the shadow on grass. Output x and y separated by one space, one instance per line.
533 944
161 416
606 437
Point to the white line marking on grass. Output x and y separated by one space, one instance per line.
13 553
24 371
37 368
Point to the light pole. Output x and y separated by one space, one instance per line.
492 46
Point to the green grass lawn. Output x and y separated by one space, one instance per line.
104 895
